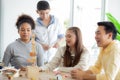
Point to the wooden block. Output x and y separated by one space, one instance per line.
33 72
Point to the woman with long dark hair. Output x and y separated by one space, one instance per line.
73 55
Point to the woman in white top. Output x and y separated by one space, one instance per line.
73 55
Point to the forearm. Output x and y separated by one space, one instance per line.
57 43
6 60
88 72
89 75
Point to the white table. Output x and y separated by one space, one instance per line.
42 76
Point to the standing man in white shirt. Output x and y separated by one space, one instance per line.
49 32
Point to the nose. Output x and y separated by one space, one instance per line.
25 31
96 37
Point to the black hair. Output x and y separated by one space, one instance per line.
109 27
25 19
43 5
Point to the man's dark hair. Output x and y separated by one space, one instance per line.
109 28
43 5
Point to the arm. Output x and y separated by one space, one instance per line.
60 34
110 64
55 62
82 75
82 64
89 74
57 44
96 69
84 60
7 56
38 37
40 51
112 68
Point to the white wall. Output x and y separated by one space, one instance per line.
113 6
10 11
0 28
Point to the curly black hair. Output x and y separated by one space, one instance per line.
25 19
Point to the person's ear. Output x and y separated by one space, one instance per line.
110 35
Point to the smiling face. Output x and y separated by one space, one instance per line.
102 38
25 32
70 38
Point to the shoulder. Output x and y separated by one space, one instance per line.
54 18
114 50
61 50
85 52
38 22
115 45
12 45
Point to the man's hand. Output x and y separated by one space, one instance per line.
77 74
45 47
56 45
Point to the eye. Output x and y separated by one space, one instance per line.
28 30
69 36
22 30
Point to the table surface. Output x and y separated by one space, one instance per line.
42 76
